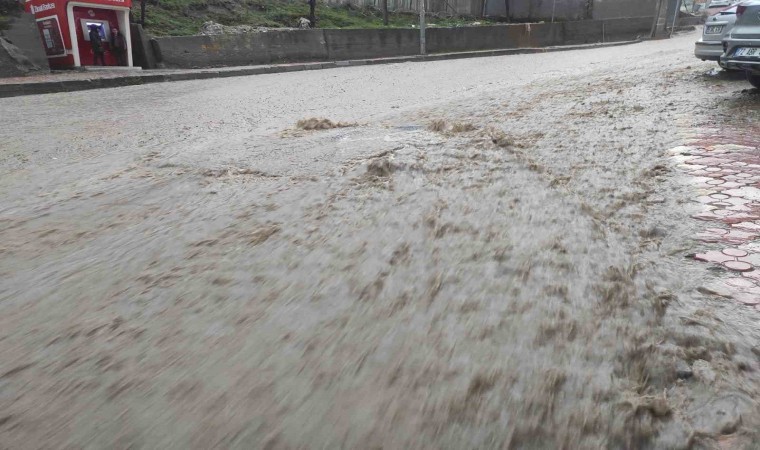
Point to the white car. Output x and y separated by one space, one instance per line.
719 5
710 46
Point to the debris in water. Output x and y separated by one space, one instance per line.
381 168
321 124
438 125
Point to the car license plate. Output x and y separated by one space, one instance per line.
714 29
747 51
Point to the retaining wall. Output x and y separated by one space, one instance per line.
524 10
243 49
325 44
615 9
357 44
473 8
535 10
23 33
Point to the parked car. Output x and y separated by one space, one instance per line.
710 46
719 5
742 45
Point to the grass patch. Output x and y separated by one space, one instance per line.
8 10
185 17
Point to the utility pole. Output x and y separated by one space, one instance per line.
385 12
506 9
312 13
422 26
657 17
675 17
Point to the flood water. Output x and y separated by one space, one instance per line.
485 253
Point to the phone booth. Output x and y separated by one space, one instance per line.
67 26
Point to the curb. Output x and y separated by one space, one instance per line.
49 87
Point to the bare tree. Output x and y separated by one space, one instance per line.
143 5
385 12
506 6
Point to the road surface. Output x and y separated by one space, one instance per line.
479 253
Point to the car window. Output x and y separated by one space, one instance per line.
729 11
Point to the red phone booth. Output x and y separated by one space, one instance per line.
65 27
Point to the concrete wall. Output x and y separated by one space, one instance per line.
142 52
244 49
332 45
23 33
614 9
539 9
356 44
523 10
9 66
623 29
441 40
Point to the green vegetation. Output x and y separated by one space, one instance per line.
8 8
185 17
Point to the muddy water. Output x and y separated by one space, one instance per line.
500 266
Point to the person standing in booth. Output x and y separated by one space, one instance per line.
119 47
97 46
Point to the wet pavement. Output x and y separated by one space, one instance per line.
495 252
99 77
725 166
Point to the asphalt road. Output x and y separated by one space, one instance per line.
476 253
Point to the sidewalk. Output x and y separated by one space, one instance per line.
78 81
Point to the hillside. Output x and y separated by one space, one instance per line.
185 17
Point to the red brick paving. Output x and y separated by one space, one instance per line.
726 172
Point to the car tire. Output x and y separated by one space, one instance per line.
754 79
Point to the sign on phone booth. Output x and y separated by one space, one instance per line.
52 38
84 32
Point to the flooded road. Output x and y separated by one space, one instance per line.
494 252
